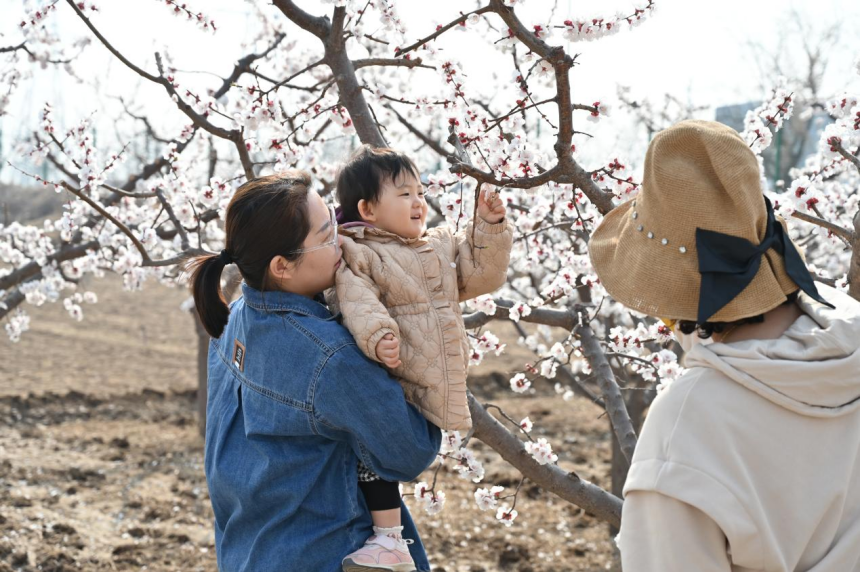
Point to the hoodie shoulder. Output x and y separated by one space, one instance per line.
842 323
668 412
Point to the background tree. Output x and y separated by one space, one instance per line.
800 58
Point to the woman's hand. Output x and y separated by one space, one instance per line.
491 208
388 351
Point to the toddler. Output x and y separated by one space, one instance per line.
399 291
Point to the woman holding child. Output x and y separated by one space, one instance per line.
299 417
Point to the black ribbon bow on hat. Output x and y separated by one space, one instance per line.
728 265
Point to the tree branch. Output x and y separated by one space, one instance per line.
347 84
12 300
244 65
152 168
514 183
839 231
31 269
54 160
147 261
552 478
426 139
440 30
567 170
13 48
145 120
129 194
526 36
854 265
199 121
108 45
615 406
547 316
171 214
332 37
844 152
580 178
319 26
388 62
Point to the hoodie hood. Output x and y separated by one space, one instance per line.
812 369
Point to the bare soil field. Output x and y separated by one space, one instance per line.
101 463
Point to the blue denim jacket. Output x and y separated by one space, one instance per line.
293 404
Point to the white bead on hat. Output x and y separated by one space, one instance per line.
640 228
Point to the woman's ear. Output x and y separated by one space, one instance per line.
281 269
366 210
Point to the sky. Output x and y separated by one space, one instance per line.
698 51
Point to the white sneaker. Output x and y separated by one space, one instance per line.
381 553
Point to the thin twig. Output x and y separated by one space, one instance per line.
440 30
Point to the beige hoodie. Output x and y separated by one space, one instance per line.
751 460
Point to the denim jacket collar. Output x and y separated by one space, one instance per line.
277 301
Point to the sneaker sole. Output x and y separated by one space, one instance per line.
350 566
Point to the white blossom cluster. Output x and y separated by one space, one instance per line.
181 10
465 462
488 499
771 114
469 468
431 501
591 29
541 451
825 187
486 343
658 366
845 130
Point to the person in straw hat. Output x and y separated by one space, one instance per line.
751 459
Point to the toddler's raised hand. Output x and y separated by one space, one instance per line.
491 208
388 351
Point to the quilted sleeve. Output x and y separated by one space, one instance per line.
482 262
358 299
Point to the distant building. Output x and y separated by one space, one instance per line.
796 141
733 115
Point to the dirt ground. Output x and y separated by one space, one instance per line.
101 464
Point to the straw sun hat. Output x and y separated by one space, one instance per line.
700 242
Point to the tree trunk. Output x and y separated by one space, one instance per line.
230 282
637 402
619 470
202 373
854 267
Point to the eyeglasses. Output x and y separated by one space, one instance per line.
327 243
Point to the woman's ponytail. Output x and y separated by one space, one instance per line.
266 217
206 289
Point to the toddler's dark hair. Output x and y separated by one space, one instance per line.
361 177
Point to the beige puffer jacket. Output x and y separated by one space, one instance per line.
412 288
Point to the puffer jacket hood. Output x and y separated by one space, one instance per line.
812 369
